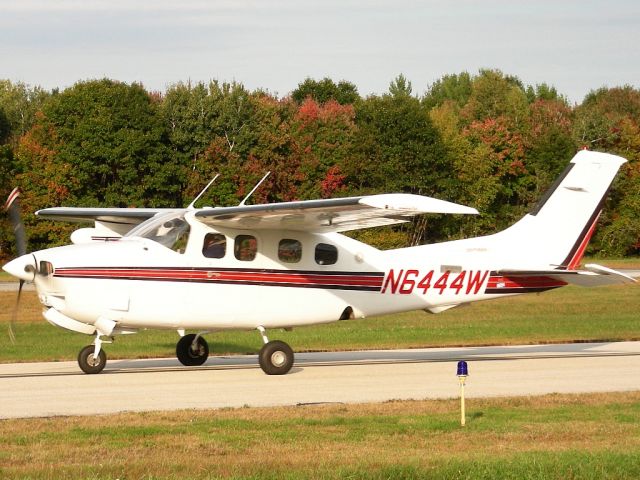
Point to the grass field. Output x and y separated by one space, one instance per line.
594 436
564 315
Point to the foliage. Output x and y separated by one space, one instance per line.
345 93
484 139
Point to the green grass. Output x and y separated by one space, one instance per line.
595 436
564 315
5 277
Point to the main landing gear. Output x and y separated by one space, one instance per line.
275 357
192 350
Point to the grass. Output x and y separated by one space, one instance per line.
591 436
5 277
564 315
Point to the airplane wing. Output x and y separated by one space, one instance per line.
332 215
110 223
126 216
592 276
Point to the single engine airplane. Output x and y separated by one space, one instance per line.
284 265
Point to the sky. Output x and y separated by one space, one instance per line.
575 45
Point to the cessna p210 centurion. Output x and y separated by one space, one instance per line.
285 265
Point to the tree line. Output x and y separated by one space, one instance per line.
486 140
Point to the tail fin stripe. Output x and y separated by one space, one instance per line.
578 249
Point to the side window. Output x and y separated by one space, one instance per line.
326 254
289 250
215 245
245 247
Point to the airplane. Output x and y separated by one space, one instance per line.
285 265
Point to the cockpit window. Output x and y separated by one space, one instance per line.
170 230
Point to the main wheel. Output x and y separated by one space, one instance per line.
87 363
275 358
190 355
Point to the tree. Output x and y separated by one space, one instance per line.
494 94
609 120
397 149
544 91
455 87
345 93
98 143
400 87
19 104
550 144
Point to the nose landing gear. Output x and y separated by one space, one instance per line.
92 358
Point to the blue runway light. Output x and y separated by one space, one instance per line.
462 369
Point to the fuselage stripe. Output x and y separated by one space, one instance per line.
346 280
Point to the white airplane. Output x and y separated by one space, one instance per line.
286 265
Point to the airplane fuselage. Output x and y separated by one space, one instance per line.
138 283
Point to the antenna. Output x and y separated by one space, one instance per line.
254 189
202 192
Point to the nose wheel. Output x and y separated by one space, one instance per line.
89 362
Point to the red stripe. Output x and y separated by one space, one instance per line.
575 261
232 276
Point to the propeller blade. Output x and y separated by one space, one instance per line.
12 206
14 315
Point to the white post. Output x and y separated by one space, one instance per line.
462 411
462 376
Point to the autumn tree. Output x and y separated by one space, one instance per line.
98 143
19 104
609 120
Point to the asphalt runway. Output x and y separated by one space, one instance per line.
60 388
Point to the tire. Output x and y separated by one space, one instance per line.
187 355
275 358
88 364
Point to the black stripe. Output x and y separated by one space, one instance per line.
565 264
552 189
239 270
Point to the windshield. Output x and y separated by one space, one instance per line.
170 230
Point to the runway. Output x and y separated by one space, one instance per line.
60 388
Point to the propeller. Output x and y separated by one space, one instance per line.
12 207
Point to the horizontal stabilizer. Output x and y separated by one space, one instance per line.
593 275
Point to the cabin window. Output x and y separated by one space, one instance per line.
326 254
245 247
289 250
215 245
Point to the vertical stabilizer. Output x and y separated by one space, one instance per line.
557 232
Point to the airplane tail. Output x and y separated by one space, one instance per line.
556 233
